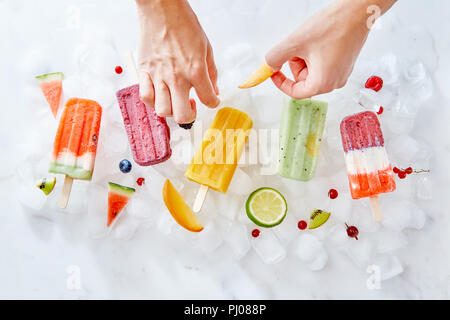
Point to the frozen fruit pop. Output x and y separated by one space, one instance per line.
76 140
75 143
148 134
216 160
301 130
368 167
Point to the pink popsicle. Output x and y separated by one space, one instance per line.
369 170
148 134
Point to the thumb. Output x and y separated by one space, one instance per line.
281 53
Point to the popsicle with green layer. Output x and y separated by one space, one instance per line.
301 130
76 140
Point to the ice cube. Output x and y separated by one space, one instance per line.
145 209
77 200
237 239
398 123
37 62
287 230
125 226
360 251
31 197
116 142
388 241
337 235
242 183
389 69
341 207
97 211
103 93
415 72
368 99
73 86
229 205
100 59
165 223
268 248
182 153
319 262
424 188
362 217
307 247
209 239
390 266
398 214
404 149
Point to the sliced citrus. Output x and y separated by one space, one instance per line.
266 207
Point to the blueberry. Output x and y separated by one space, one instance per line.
125 166
186 126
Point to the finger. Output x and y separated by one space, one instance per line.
163 105
204 88
281 53
146 89
297 90
212 69
181 106
298 68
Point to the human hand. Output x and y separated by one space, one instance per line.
322 52
174 56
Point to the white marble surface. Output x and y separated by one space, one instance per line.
39 254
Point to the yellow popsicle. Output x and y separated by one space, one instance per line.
216 160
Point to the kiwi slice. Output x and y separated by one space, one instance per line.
318 218
46 184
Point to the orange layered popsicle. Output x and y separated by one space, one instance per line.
216 160
76 140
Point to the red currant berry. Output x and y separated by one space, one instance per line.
302 224
119 70
396 170
352 231
333 194
375 83
140 181
409 170
380 111
255 233
402 174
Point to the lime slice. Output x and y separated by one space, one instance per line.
266 207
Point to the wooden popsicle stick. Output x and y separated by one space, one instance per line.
376 208
130 65
65 194
200 198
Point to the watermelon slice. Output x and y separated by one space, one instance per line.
51 86
118 197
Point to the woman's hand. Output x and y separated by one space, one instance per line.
322 52
174 56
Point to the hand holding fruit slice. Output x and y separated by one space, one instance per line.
46 184
260 75
178 208
118 197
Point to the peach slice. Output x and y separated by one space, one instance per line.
178 208
260 75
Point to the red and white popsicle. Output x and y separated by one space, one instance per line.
368 167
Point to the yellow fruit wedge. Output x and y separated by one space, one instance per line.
260 75
178 208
